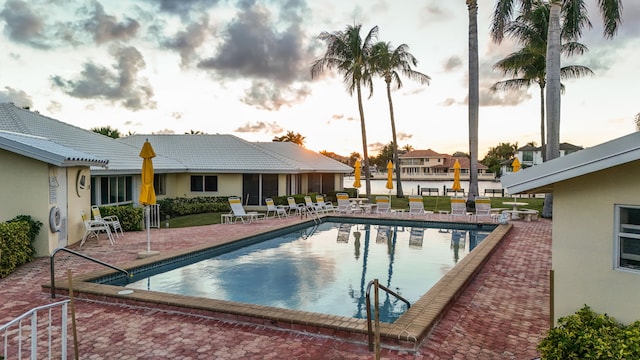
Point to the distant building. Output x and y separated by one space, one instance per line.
431 165
530 156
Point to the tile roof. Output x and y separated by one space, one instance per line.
45 150
421 154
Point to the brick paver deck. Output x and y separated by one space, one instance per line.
503 313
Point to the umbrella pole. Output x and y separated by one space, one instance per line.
147 211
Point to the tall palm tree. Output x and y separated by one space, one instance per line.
528 65
474 99
389 63
573 14
349 54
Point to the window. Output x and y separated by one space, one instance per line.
527 156
627 241
116 190
160 184
201 183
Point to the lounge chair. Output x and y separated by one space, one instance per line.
326 206
277 210
94 228
383 205
416 205
416 236
458 207
112 220
483 209
239 213
294 207
344 205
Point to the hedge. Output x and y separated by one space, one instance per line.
17 238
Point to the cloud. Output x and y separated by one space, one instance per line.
119 85
453 63
105 27
433 13
187 41
184 8
403 136
254 46
268 96
18 97
260 126
23 25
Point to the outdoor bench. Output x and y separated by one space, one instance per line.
494 192
429 191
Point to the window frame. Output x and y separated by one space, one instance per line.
204 181
620 235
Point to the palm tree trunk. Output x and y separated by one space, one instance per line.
364 142
395 142
474 99
553 94
542 132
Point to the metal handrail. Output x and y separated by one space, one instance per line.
368 298
53 281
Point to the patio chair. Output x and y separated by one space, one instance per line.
240 214
94 228
416 205
277 210
483 209
458 207
326 206
344 205
311 206
383 205
294 207
112 220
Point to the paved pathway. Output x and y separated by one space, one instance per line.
502 315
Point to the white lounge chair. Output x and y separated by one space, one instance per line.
276 210
239 212
483 209
416 205
459 207
344 205
112 220
94 228
326 206
383 204
294 207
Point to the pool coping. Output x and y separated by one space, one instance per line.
407 332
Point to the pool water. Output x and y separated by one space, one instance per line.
325 268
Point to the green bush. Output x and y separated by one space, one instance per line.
15 246
130 217
187 206
588 335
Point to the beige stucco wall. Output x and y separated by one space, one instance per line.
583 244
78 199
228 185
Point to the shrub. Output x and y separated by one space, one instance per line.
588 335
187 206
130 217
15 245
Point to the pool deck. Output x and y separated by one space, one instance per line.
502 314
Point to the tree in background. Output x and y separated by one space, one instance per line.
407 148
389 63
194 132
349 54
637 121
353 157
528 65
474 99
107 131
575 19
334 156
496 155
461 154
295 138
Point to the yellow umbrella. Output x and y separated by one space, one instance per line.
456 177
389 175
515 165
356 170
147 192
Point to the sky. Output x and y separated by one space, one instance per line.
243 68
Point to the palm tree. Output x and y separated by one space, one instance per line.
107 131
528 65
574 16
388 63
348 53
474 99
295 138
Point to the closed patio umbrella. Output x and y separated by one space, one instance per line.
356 174
516 165
456 177
147 192
389 184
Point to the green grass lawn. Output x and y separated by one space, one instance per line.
433 203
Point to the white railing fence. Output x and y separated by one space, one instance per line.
154 216
42 329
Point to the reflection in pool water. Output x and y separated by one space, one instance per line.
325 268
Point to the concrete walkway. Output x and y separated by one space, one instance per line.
503 314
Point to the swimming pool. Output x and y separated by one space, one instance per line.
407 332
325 268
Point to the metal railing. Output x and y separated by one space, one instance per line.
154 216
15 333
53 278
377 311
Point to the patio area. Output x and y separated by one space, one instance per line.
501 315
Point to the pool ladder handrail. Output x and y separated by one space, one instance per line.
368 299
52 263
310 211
